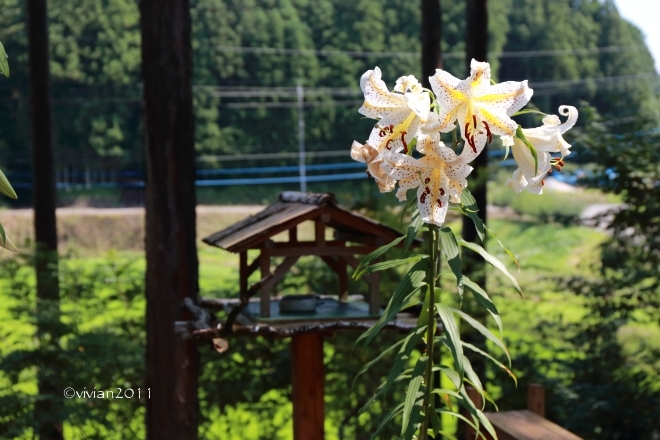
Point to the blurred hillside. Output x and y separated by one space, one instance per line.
250 54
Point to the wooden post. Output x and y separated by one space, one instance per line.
343 278
307 377
536 399
172 270
49 408
293 234
264 265
243 273
319 233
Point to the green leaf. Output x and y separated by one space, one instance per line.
473 379
409 285
374 255
495 361
388 418
409 204
5 241
413 229
391 263
494 261
461 417
454 337
513 257
482 298
370 364
442 392
520 135
451 251
484 331
476 413
4 63
451 375
401 359
413 395
469 208
436 424
526 111
5 187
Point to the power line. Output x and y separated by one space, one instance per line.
294 104
447 55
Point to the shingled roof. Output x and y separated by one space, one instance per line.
293 208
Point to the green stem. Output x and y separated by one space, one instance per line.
428 399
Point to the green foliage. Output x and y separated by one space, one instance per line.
95 64
418 410
101 346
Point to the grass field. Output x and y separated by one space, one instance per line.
545 251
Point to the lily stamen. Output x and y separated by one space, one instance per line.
490 135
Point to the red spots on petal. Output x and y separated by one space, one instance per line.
490 135
403 141
427 180
439 202
428 190
442 192
422 198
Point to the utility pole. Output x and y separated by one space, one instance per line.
48 408
300 92
172 364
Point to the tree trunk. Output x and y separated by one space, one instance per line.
48 408
172 266
476 46
431 39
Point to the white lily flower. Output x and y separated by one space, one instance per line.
439 177
369 155
545 139
401 116
481 109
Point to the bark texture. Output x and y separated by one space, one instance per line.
431 36
172 265
49 408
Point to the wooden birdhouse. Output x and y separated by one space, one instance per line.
352 235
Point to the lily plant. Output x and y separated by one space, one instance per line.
405 149
5 186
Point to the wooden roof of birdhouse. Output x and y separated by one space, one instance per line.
293 208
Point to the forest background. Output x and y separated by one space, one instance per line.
245 104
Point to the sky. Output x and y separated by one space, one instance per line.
645 15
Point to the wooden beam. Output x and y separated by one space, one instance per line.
281 271
243 273
307 377
357 238
255 242
325 251
363 225
253 266
331 262
293 234
343 278
319 233
536 399
264 264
